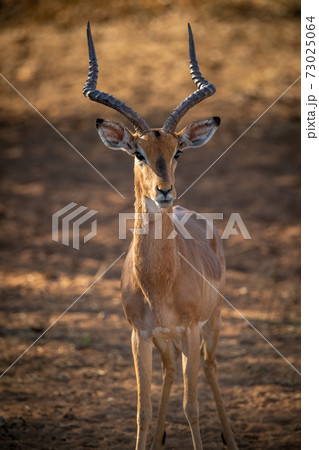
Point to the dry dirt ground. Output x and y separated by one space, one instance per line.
75 388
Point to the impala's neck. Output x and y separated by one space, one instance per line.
154 254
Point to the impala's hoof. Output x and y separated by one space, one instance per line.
164 438
223 438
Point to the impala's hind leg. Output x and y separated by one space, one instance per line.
210 334
169 356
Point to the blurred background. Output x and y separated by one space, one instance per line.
75 388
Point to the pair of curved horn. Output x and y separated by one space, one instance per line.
204 90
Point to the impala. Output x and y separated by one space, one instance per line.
165 300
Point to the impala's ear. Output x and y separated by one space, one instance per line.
198 133
115 135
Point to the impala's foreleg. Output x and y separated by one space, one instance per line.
169 356
191 356
210 333
142 353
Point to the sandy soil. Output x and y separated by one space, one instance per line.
75 388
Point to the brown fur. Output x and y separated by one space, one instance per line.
165 300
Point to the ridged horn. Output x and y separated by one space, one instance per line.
90 91
204 90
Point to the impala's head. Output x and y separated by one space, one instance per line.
156 154
155 150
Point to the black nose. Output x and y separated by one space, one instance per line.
164 192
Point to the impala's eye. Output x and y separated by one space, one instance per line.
139 156
177 154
